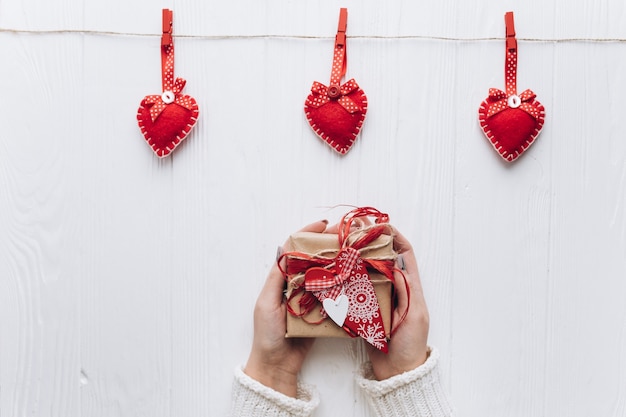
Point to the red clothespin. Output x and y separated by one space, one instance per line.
340 39
511 42
166 38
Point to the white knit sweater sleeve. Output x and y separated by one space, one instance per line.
417 393
250 398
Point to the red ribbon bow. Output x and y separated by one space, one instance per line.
323 94
501 101
159 102
319 279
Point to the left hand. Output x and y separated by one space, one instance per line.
275 361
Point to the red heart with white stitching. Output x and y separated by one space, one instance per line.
166 119
511 123
336 113
171 125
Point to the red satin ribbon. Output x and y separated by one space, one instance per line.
170 86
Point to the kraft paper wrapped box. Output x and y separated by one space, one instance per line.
326 246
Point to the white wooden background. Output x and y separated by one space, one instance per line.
127 283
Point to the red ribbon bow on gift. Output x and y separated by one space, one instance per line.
323 94
159 102
320 282
500 101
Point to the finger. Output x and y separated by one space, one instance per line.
410 272
275 283
317 227
400 243
272 291
333 229
359 222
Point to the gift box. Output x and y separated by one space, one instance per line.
358 268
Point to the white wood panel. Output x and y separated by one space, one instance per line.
39 337
127 283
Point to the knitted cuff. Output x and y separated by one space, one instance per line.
415 393
251 398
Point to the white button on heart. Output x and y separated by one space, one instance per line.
337 309
168 97
514 101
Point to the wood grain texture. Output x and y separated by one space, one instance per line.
127 283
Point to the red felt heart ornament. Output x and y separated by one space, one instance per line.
165 120
165 132
336 112
510 121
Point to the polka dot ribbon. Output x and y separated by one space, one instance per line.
335 91
510 69
501 101
171 88
321 96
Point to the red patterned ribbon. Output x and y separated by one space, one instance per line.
500 101
340 59
510 69
171 88
322 96
335 91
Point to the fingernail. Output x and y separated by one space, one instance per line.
401 262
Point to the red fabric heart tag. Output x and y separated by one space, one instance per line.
165 120
336 112
510 121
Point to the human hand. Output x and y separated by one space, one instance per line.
408 346
274 360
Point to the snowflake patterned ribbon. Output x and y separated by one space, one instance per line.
323 94
500 101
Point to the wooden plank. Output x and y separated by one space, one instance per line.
40 206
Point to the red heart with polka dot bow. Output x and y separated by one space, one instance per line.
166 119
336 112
510 121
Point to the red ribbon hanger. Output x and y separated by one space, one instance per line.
166 119
511 121
171 88
336 112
